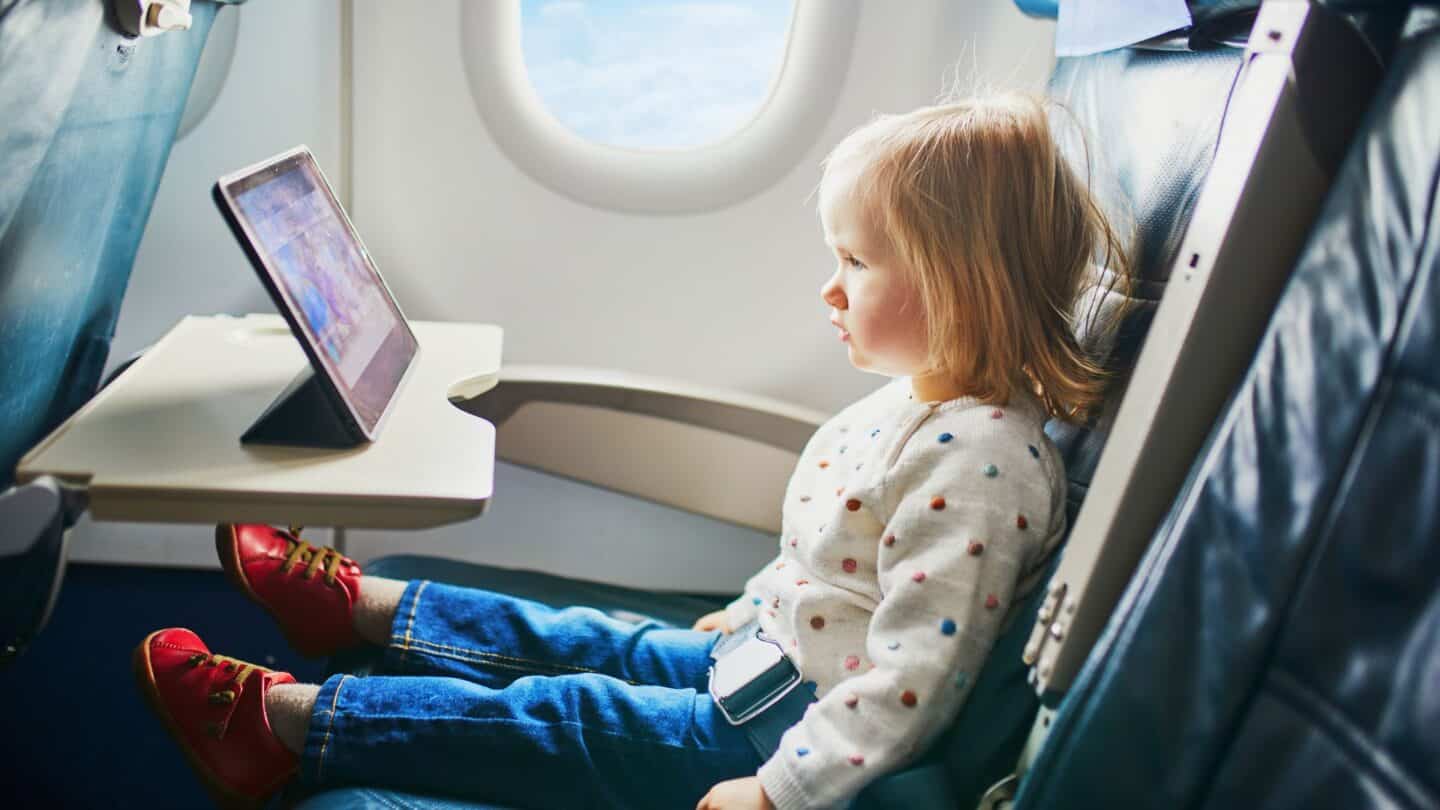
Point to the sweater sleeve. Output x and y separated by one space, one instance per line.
747 604
960 547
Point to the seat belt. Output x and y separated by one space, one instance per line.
1305 82
757 687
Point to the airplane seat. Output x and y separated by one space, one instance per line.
1279 645
90 116
1142 124
1153 117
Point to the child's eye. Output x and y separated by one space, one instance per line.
854 262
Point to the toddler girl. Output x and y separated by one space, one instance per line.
916 521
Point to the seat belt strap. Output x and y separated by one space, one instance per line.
765 729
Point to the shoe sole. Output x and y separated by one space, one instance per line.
227 549
223 795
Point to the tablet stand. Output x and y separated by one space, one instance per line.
302 415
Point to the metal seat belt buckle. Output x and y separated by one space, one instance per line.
750 677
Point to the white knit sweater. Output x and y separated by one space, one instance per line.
910 531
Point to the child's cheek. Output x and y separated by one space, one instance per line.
895 326
876 329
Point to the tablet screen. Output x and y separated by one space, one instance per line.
311 252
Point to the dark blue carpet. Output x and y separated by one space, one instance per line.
75 731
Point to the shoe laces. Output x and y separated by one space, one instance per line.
242 670
315 556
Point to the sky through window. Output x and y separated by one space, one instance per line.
654 74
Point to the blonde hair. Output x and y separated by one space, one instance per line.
1003 240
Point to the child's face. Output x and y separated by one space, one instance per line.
873 301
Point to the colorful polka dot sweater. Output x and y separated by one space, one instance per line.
910 531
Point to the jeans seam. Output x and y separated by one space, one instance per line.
410 620
329 726
535 667
486 657
598 730
408 643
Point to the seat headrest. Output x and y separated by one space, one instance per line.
1141 127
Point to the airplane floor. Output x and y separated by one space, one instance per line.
91 741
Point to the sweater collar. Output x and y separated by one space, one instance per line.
1021 401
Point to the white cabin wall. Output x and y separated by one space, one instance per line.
727 297
461 233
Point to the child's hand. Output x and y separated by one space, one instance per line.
744 794
713 621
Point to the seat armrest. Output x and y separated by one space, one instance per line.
778 424
36 517
708 451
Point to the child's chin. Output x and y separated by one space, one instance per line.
871 365
861 364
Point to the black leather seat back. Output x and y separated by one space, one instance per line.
1142 125
1280 644
1151 119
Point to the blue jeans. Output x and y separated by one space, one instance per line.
528 705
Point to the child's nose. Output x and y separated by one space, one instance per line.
831 293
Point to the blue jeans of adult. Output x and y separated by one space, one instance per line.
491 697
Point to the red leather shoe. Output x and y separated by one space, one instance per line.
214 707
310 590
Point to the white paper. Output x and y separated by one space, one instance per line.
1091 26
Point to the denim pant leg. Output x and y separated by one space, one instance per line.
530 705
492 638
558 741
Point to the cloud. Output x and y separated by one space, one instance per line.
707 14
642 75
562 9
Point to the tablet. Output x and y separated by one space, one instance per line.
324 282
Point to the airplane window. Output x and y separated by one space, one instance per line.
653 74
655 106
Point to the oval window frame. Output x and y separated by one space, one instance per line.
754 157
